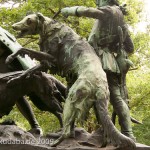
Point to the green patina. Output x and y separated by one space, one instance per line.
88 85
110 38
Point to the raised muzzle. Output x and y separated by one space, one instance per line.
14 26
17 26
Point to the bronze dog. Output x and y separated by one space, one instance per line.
43 90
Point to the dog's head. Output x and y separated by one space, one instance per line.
29 25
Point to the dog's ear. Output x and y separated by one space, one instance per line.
41 17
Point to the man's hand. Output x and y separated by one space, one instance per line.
69 11
64 12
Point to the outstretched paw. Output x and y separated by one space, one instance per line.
9 59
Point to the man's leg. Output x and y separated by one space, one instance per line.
119 105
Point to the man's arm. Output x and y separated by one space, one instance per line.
82 11
128 44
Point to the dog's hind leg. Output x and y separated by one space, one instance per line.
69 119
77 106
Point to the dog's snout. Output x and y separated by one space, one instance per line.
14 26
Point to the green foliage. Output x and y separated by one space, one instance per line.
134 8
142 132
142 49
138 86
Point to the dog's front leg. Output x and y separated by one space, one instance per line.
22 52
40 56
68 132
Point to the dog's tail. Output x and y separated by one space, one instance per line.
111 133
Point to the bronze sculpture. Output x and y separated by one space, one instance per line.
22 103
67 54
110 37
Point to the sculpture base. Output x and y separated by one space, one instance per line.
13 137
37 147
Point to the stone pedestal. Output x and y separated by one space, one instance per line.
14 138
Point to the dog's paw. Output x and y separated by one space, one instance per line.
9 59
123 141
36 131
